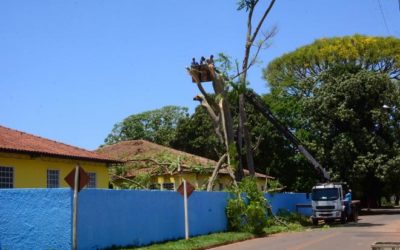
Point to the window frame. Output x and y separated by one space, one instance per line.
5 178
90 184
50 180
167 188
154 186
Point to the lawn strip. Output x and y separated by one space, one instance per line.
196 243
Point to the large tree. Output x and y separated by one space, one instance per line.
340 96
356 135
234 136
296 73
158 126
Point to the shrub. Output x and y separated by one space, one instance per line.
247 208
236 213
256 217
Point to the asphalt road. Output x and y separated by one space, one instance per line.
379 226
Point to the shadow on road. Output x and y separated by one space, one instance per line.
380 211
352 224
362 224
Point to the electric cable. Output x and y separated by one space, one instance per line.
383 16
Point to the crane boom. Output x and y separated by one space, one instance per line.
261 107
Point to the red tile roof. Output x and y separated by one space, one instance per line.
19 142
144 150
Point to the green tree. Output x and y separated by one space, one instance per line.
332 94
357 137
296 73
193 136
158 126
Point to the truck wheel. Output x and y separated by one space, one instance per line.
315 222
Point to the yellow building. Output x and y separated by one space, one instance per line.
28 161
166 167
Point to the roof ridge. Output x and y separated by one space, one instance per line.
40 137
168 148
20 141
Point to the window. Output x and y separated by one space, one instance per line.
53 178
154 186
6 177
328 194
92 180
168 186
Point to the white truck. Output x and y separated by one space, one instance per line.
328 204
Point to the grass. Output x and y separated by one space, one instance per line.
295 223
291 227
199 242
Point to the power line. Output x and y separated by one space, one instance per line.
383 16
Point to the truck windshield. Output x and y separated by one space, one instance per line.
325 194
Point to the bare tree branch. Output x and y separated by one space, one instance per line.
250 38
260 46
260 23
231 174
257 144
215 172
214 117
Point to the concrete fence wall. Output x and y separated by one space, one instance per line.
42 218
108 217
35 219
288 202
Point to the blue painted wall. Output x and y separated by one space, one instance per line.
35 219
118 217
42 218
288 201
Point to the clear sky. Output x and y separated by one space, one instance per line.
71 69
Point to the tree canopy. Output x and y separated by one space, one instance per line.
341 97
195 135
158 126
297 72
355 135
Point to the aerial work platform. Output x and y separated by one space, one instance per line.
203 73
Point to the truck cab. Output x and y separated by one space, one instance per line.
327 203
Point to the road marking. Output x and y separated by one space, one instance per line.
308 243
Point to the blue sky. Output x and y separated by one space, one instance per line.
70 70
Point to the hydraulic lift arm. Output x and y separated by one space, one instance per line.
261 107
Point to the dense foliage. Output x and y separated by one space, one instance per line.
195 134
247 208
158 126
297 72
340 97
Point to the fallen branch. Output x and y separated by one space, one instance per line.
215 172
127 179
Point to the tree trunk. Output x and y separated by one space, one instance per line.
228 134
220 113
250 38
239 173
246 137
